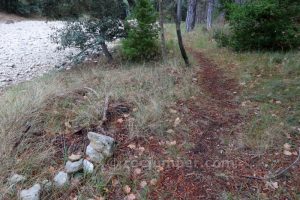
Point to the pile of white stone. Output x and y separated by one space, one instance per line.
100 148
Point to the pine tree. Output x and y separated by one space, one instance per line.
141 42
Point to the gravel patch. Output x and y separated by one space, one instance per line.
26 50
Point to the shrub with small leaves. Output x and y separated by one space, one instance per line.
102 23
89 35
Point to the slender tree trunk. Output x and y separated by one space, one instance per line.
179 36
201 11
106 52
191 15
209 15
162 32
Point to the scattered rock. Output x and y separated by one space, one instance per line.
32 193
101 143
177 122
88 167
126 189
130 197
287 153
131 146
170 131
94 155
287 146
61 179
16 178
153 181
172 111
72 167
75 157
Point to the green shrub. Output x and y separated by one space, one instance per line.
222 37
91 34
141 41
264 25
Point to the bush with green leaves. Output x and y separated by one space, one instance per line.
141 42
222 36
264 25
90 34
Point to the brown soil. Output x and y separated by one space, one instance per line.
220 169
4 17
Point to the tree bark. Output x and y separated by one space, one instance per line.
201 11
179 36
209 15
162 31
106 52
191 15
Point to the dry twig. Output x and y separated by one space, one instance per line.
279 173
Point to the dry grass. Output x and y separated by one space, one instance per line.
62 103
270 83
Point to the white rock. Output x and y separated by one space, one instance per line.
101 143
94 155
75 157
32 193
72 167
61 179
88 167
16 178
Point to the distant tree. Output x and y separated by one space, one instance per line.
191 15
162 30
9 5
210 8
141 42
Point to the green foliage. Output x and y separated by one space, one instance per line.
63 8
222 37
90 34
141 42
264 25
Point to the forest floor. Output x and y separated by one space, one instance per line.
225 128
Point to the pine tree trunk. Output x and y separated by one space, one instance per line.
162 31
106 52
191 15
201 12
179 36
209 15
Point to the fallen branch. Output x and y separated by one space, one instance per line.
287 168
279 173
104 118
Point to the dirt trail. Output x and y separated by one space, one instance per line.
220 166
210 115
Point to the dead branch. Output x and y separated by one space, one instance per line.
104 117
279 173
287 168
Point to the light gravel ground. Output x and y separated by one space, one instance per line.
26 50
